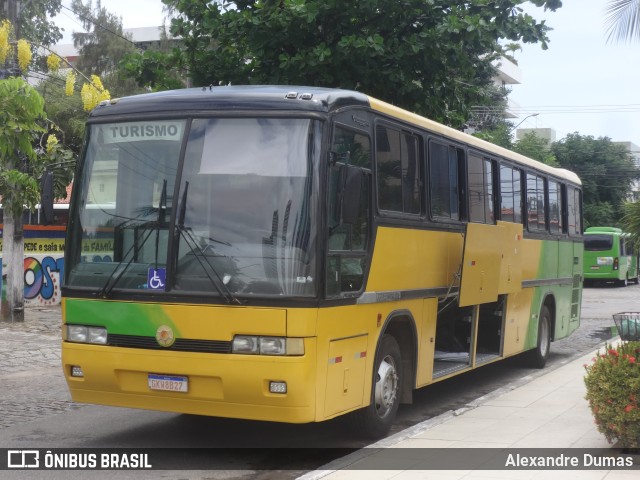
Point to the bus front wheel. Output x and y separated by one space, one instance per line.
375 420
538 356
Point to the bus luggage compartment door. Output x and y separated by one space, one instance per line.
345 374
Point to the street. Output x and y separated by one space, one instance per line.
36 411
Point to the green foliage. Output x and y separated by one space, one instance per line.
631 221
61 161
622 20
21 113
24 155
154 69
607 172
498 135
433 57
35 22
613 392
65 112
538 148
103 46
600 213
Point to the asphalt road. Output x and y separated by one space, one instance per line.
36 411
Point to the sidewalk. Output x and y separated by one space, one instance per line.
547 412
30 370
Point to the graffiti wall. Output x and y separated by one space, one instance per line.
43 265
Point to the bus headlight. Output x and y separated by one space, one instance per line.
87 334
245 344
254 345
273 346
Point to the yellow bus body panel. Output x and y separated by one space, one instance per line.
405 259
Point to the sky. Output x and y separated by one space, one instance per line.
134 13
580 84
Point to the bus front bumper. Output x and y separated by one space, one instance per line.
220 385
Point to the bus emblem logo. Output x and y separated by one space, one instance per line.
164 336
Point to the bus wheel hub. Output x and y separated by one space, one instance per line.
386 386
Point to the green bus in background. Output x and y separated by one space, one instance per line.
609 255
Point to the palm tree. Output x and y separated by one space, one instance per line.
622 20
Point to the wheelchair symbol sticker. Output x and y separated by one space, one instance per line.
156 278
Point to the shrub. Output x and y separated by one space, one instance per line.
613 392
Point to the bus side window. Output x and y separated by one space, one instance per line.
444 181
398 170
348 242
536 216
480 189
574 212
555 207
510 194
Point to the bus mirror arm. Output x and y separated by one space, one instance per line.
46 197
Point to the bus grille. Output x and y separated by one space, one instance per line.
180 345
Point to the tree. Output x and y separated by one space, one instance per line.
103 46
156 67
21 111
33 21
607 172
499 134
66 112
538 148
433 57
631 221
622 20
28 145
101 49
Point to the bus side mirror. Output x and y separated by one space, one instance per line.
46 198
351 192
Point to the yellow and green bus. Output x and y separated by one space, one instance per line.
609 256
294 254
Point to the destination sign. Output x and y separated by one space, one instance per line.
141 131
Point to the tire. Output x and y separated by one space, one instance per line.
538 356
375 420
623 283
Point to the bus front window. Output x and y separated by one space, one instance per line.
246 214
248 195
119 227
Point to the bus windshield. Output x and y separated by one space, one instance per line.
231 213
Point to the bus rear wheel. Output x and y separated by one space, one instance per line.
538 356
375 420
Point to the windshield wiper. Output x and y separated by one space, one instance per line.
160 222
192 244
119 269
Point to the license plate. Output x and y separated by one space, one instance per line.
168 383
593 267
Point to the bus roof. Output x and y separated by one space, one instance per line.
603 230
309 99
236 98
